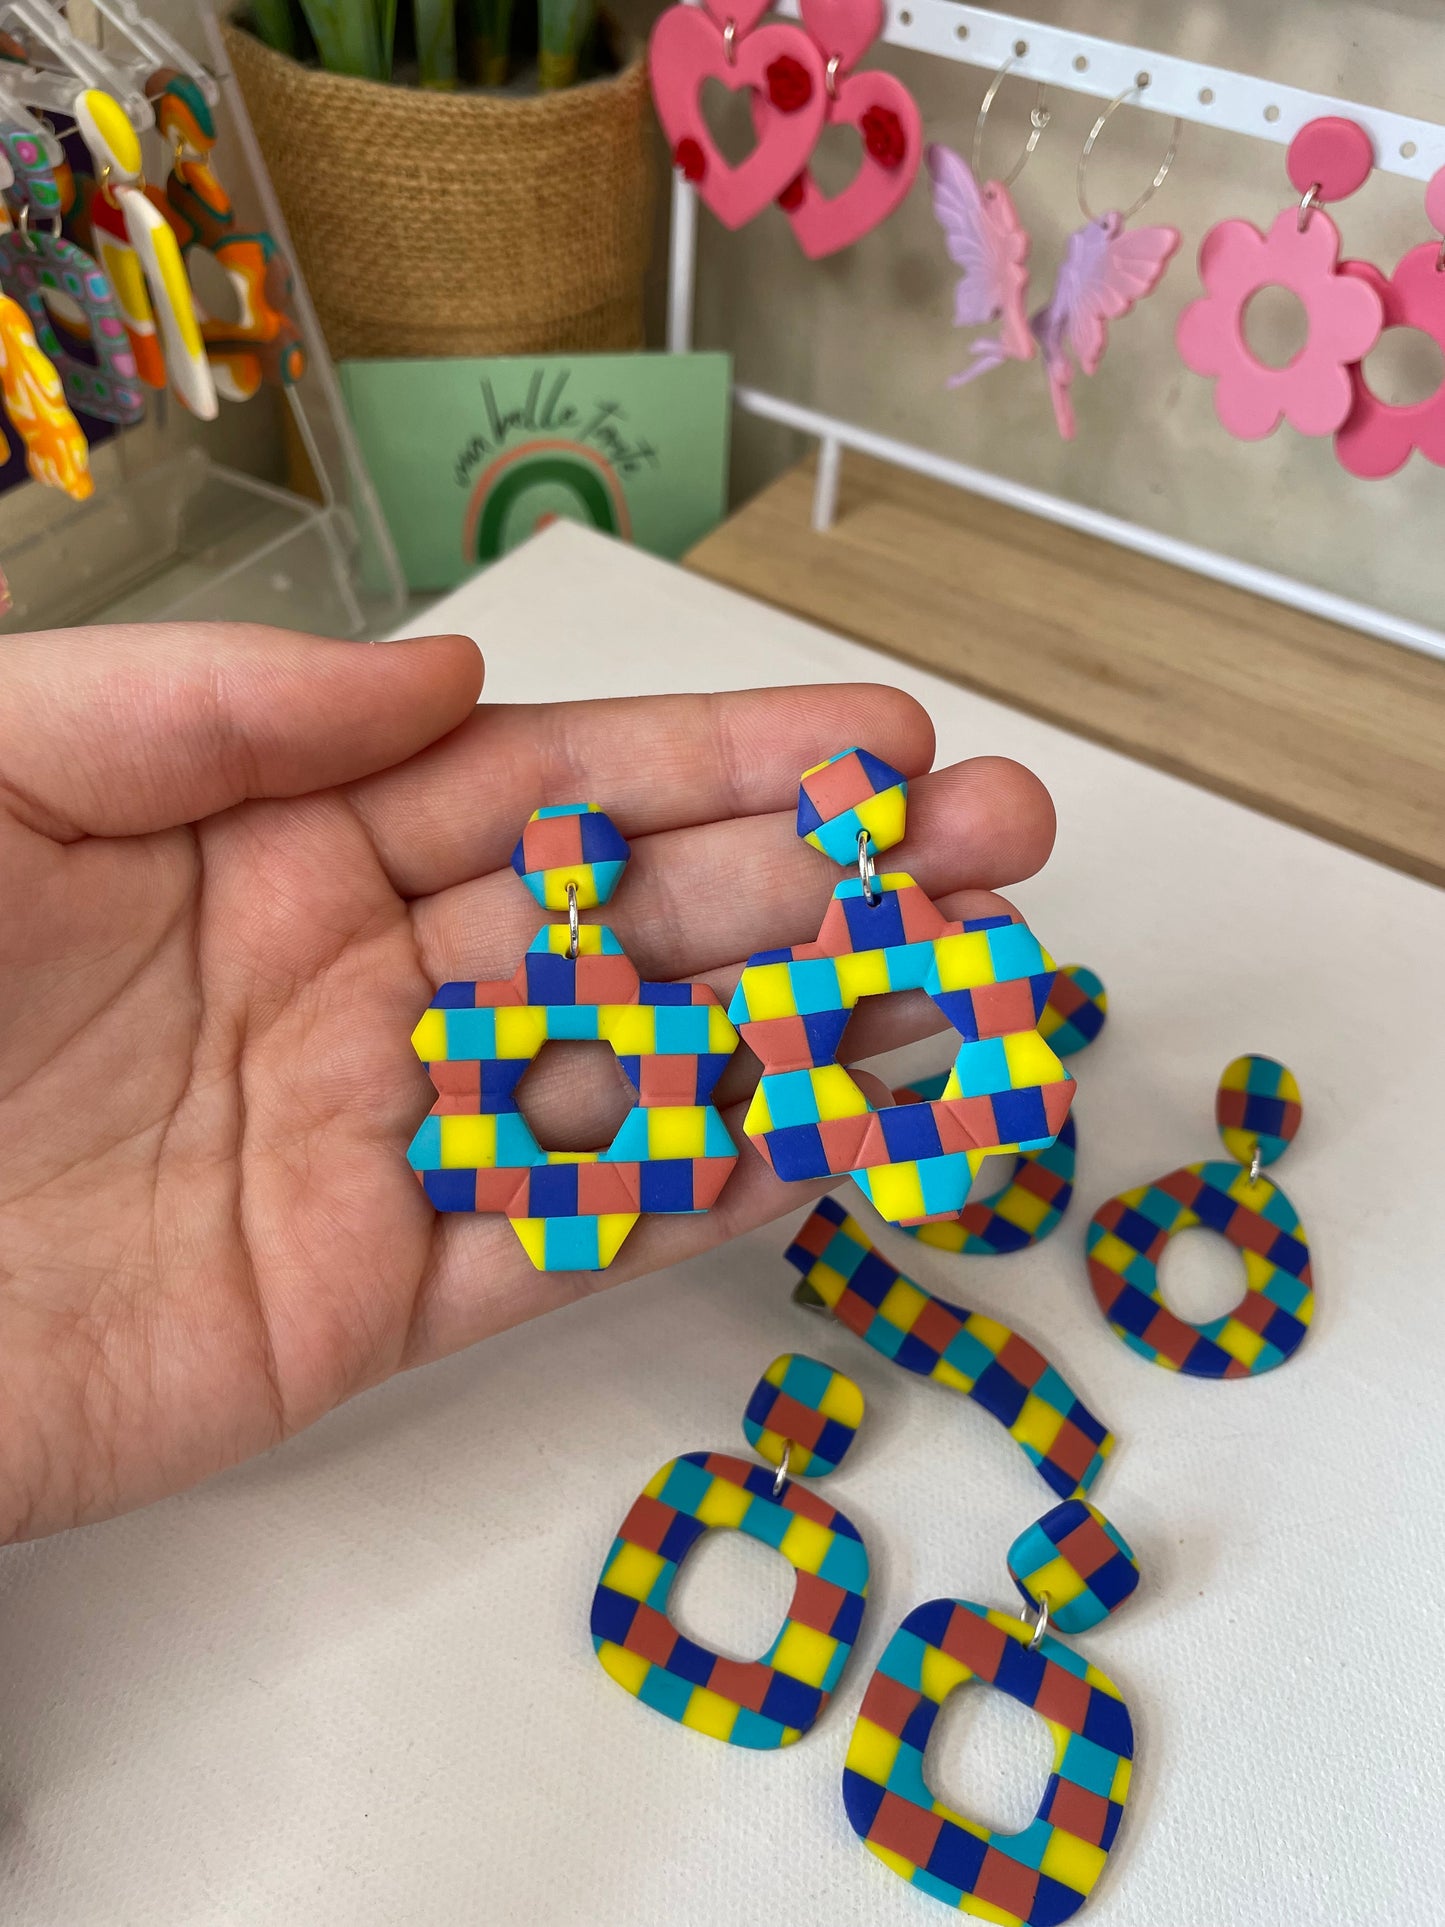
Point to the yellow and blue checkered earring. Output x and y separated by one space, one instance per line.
476 1151
1006 1091
801 1418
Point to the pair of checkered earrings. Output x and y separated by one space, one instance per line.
1107 268
990 977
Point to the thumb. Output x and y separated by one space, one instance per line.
115 731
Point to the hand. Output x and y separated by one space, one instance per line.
234 864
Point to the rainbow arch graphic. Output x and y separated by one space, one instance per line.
592 484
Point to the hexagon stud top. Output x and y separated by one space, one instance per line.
852 792
571 843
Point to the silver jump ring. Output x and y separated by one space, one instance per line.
835 61
1038 120
730 34
782 1479
574 924
1170 155
868 871
1041 1624
1254 1163
1309 201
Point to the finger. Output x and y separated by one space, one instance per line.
699 899
653 763
118 731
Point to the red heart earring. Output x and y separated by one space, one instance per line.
1377 438
887 120
778 63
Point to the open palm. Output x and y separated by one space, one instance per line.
233 865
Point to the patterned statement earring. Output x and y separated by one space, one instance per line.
722 41
985 237
963 1351
1007 1090
1072 1568
476 1152
1327 160
1258 1113
883 111
56 452
1032 1202
1378 438
1107 269
801 1419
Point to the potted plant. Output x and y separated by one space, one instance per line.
459 177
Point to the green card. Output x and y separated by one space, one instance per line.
470 457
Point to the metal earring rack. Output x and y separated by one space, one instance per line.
173 530
1161 83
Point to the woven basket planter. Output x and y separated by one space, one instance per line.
458 224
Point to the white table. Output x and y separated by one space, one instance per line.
352 1683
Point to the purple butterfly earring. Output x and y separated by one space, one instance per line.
1107 269
985 238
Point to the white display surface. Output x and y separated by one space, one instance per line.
351 1684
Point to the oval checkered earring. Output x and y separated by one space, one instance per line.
477 1152
990 977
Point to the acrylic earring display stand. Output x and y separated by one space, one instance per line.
174 531
1101 69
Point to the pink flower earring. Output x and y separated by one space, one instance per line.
1107 270
986 238
779 63
887 120
1376 438
1327 160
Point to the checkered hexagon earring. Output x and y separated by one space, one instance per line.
1073 1569
1258 1113
476 1151
801 1419
1007 1090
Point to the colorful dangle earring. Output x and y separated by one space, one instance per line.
56 452
1258 1113
885 115
157 291
1377 438
721 40
1031 1202
985 237
990 977
963 1351
1107 270
476 1152
262 345
1327 160
801 1419
1072 1569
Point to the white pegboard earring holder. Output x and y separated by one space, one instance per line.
1101 69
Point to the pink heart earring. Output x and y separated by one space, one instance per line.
1327 160
1107 270
985 237
778 63
1377 438
887 120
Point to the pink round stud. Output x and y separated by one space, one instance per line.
1435 201
1332 155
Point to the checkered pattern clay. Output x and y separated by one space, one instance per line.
1035 1878
571 843
1077 1007
1258 1104
1007 1090
1126 1240
1030 1206
963 1350
1076 1559
572 1209
760 1703
852 793
806 1405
